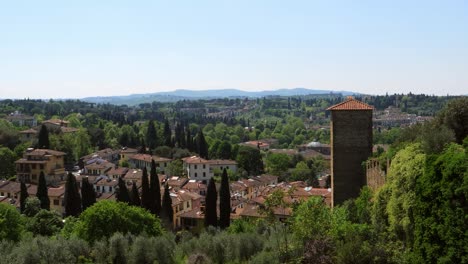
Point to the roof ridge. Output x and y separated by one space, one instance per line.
351 104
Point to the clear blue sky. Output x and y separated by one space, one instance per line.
57 49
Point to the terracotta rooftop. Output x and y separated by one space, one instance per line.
350 104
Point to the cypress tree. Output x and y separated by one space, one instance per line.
23 196
151 136
72 199
121 194
167 212
42 193
167 134
189 141
88 195
145 191
43 140
202 146
135 196
224 201
211 218
155 190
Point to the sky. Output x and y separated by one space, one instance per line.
76 49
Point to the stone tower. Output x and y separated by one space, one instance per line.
351 146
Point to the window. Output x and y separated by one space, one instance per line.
56 202
196 174
195 166
34 177
188 204
110 188
204 174
204 166
33 166
98 188
41 166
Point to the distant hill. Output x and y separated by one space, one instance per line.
182 94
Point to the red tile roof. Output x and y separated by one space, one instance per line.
350 104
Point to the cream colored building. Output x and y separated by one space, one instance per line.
34 161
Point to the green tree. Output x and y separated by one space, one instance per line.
167 134
7 163
406 168
43 138
455 116
88 194
440 208
302 173
202 146
23 196
72 199
105 218
277 163
250 160
121 194
211 217
10 223
32 206
146 201
135 195
151 136
175 168
42 193
155 190
224 150
167 211
45 223
224 201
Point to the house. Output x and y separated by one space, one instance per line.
105 154
97 166
182 202
176 183
196 187
28 135
35 161
203 170
19 119
56 196
10 189
261 145
105 185
117 172
125 153
139 161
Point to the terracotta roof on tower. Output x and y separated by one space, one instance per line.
351 104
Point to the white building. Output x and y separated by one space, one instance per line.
202 170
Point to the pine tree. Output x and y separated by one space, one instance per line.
121 194
43 140
145 191
211 218
167 134
151 136
155 190
42 193
72 199
167 212
23 196
202 146
88 195
135 196
224 201
143 147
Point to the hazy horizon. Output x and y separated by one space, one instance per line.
56 49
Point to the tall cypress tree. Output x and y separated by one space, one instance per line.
167 134
88 195
155 190
42 193
121 194
145 191
151 136
23 196
211 218
224 201
43 140
135 196
189 141
166 210
72 199
202 146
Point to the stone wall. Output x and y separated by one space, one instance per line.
351 141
